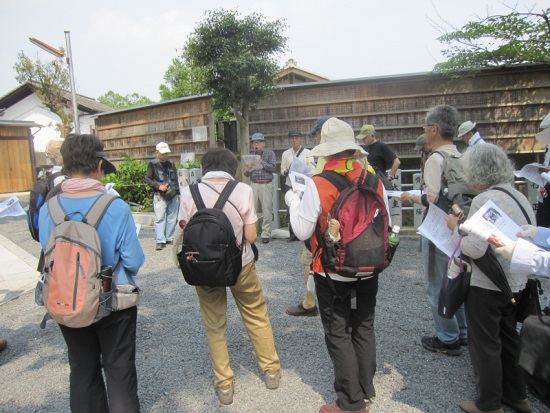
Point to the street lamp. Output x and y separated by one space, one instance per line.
59 54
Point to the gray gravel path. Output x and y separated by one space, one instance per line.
173 364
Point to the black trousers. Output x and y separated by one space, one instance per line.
493 343
285 188
111 343
349 337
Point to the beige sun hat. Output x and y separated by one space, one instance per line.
365 131
336 136
465 128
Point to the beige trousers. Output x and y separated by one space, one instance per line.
263 195
249 297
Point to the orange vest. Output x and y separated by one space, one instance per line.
328 194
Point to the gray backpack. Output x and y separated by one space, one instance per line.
72 275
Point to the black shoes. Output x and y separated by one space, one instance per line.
160 246
265 240
435 345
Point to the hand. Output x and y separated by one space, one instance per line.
163 188
334 229
258 158
406 198
507 251
528 231
284 172
493 240
452 221
291 197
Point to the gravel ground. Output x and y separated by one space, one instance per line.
173 364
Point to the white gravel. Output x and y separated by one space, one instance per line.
173 363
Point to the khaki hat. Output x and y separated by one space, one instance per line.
365 131
420 142
336 137
465 128
162 147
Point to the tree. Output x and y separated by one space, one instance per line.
182 80
50 82
496 40
237 56
117 101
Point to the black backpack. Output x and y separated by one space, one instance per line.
210 255
43 190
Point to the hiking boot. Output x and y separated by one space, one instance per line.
437 346
333 408
160 246
469 406
299 311
225 395
520 406
272 380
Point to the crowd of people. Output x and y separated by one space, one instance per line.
485 323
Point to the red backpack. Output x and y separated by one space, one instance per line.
363 249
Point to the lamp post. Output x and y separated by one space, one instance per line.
59 54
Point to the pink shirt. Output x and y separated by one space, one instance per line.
241 198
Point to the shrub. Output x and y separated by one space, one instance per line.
130 183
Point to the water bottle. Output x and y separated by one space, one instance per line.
394 236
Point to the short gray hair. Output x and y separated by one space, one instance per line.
486 165
445 117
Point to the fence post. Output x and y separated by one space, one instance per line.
418 209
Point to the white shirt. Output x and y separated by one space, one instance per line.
476 138
289 154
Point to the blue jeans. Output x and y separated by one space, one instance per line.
166 214
435 268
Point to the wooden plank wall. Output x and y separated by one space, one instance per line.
507 104
136 132
16 163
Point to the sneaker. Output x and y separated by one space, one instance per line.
437 346
521 406
469 406
333 408
169 242
272 380
300 311
159 246
225 395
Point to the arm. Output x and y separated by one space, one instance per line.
395 166
150 177
528 259
250 233
305 212
268 161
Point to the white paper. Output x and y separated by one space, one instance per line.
299 166
532 173
251 162
436 230
298 181
138 228
489 221
11 208
397 194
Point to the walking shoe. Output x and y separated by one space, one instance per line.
333 408
437 346
521 406
225 395
546 310
299 311
169 242
272 380
463 341
3 344
469 406
265 240
160 246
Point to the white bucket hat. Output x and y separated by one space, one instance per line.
465 128
336 136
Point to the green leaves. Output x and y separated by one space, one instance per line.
117 101
497 40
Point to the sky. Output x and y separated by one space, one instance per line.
127 45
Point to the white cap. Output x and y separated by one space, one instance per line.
163 147
396 229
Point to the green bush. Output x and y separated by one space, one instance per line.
129 182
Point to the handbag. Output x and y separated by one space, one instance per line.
534 356
528 300
455 286
169 194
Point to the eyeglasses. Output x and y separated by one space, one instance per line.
428 126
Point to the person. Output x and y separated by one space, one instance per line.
543 206
162 177
468 132
380 156
109 343
296 150
441 122
262 182
493 340
424 148
349 334
219 166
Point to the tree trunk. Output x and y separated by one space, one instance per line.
244 139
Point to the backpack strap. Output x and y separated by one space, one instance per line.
224 196
195 193
517 202
98 209
56 211
339 181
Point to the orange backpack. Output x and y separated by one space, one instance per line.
72 275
